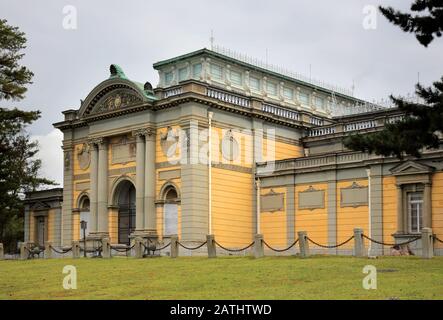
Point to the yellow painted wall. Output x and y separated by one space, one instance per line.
231 207
281 150
113 225
273 224
349 218
437 207
76 226
390 203
50 225
314 222
31 226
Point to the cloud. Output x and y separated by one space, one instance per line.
51 154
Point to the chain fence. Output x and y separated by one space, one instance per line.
280 250
330 246
191 248
234 250
391 244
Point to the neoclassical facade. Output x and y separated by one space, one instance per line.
227 147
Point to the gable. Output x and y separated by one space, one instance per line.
411 167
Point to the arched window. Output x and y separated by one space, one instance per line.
170 211
84 220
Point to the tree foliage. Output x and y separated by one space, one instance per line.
422 125
19 167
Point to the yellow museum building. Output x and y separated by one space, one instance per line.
136 163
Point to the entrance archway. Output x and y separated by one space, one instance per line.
125 200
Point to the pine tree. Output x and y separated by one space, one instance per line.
422 124
18 166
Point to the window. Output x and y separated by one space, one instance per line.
182 73
254 83
415 210
288 93
303 98
168 78
216 72
319 102
271 88
236 77
196 70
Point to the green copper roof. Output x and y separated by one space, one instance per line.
117 72
252 67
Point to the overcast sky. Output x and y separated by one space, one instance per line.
328 35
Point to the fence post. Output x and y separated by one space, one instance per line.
359 244
2 252
174 247
106 248
210 243
48 252
23 251
303 243
76 249
138 248
427 243
258 246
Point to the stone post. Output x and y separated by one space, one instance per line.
75 249
2 252
211 246
303 243
138 248
174 247
106 248
359 244
48 251
258 246
427 243
23 251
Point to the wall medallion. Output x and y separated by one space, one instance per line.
229 146
84 156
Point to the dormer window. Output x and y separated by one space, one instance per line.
168 78
254 83
271 88
236 78
216 72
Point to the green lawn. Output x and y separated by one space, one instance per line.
318 277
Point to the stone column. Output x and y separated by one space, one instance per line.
427 243
174 247
150 180
94 187
400 227
102 190
139 179
427 206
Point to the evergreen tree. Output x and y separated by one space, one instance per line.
422 124
18 166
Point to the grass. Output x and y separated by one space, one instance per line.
319 277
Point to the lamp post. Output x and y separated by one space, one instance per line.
83 226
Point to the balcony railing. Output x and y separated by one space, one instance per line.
228 97
281 112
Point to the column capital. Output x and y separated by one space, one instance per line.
97 141
146 132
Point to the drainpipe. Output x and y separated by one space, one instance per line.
258 205
210 114
368 172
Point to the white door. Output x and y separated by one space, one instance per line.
84 216
171 218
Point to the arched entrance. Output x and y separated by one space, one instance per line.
170 210
125 200
83 205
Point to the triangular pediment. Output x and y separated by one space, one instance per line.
40 206
411 167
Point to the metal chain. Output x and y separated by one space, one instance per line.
63 251
391 244
189 248
122 249
234 250
436 238
163 247
280 250
331 246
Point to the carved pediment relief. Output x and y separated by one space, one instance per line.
38 206
411 167
115 100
